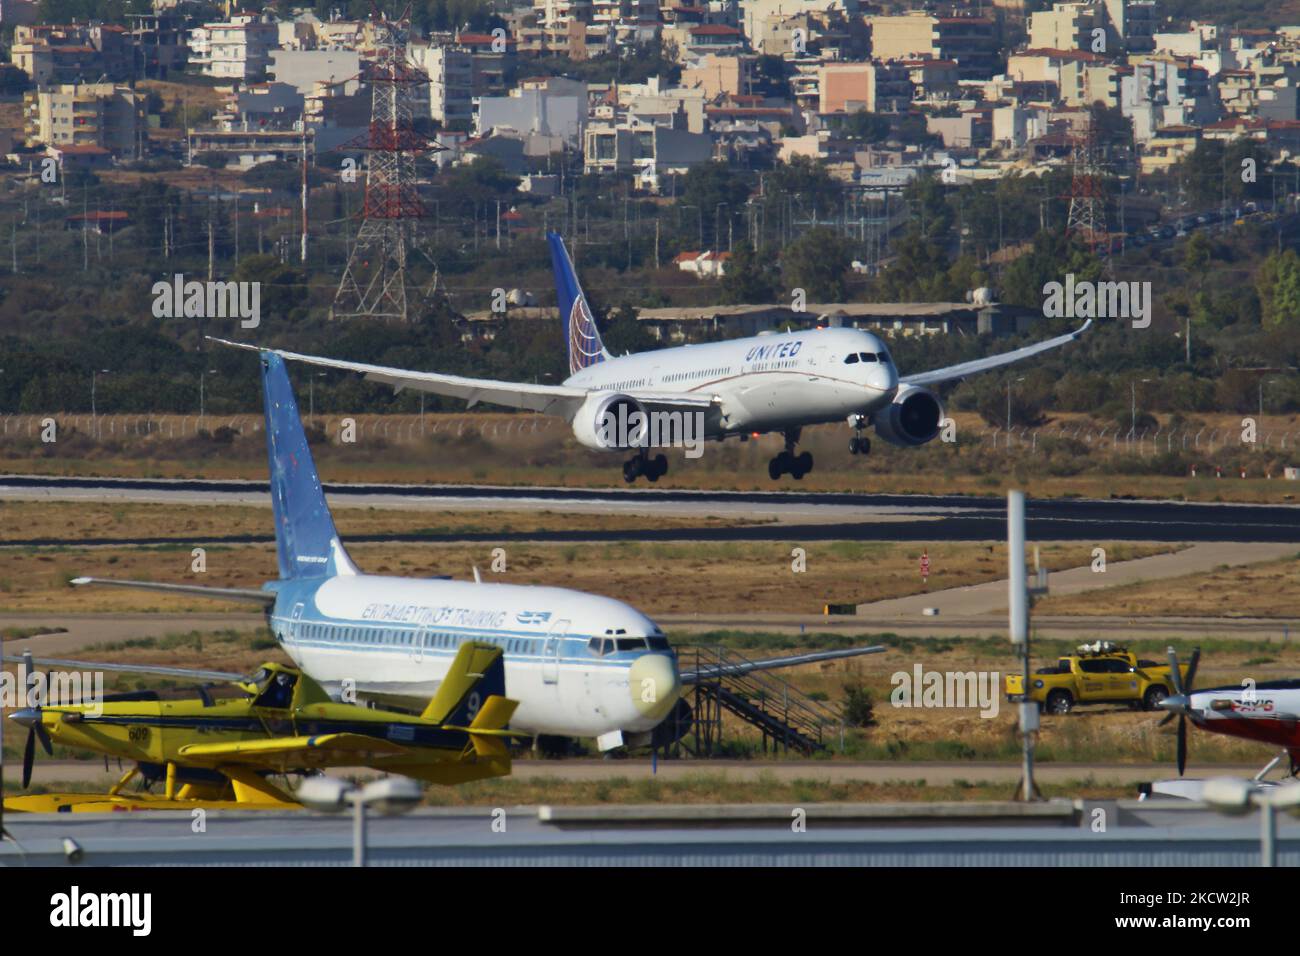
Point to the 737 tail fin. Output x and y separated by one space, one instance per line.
477 673
306 540
585 346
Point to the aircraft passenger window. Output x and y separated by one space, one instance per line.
851 359
867 356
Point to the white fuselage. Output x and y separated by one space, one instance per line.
764 383
578 664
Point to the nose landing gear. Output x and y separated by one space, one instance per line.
859 444
787 462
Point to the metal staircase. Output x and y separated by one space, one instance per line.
787 718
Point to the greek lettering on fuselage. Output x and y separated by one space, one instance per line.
760 353
423 614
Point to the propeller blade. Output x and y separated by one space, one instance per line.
29 756
1182 744
1175 675
44 737
1168 717
1191 668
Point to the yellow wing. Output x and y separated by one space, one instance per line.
318 746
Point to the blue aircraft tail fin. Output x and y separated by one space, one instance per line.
306 540
585 346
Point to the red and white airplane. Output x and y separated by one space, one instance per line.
1267 712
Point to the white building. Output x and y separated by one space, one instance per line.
238 49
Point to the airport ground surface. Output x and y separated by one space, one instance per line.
783 515
1175 572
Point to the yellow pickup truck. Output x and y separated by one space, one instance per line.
1098 674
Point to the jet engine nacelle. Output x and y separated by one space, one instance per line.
911 419
610 421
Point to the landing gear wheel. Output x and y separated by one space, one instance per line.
656 467
859 446
775 467
800 465
631 470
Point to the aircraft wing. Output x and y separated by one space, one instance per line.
993 361
318 746
562 400
154 669
265 598
772 663
551 399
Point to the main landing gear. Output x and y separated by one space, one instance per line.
787 462
859 444
642 464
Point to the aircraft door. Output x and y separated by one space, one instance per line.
551 652
417 643
295 622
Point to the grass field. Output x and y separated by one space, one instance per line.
534 450
1099 735
1265 589
654 577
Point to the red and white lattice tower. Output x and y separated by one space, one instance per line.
374 283
1087 217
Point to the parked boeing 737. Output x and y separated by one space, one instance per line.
579 665
741 387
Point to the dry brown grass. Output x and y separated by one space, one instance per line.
655 577
1266 589
491 449
91 521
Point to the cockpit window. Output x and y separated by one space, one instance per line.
657 643
867 356
630 643
276 691
851 359
600 646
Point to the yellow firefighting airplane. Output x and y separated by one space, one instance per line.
219 744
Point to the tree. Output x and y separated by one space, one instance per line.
1278 284
749 277
816 262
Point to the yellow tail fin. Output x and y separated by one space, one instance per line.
487 733
477 673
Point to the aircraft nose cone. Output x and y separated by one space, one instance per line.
654 684
1174 703
27 717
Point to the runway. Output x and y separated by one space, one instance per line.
791 516
1057 833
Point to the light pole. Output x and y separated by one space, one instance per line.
311 396
390 796
94 414
1133 404
1233 796
1010 382
202 376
